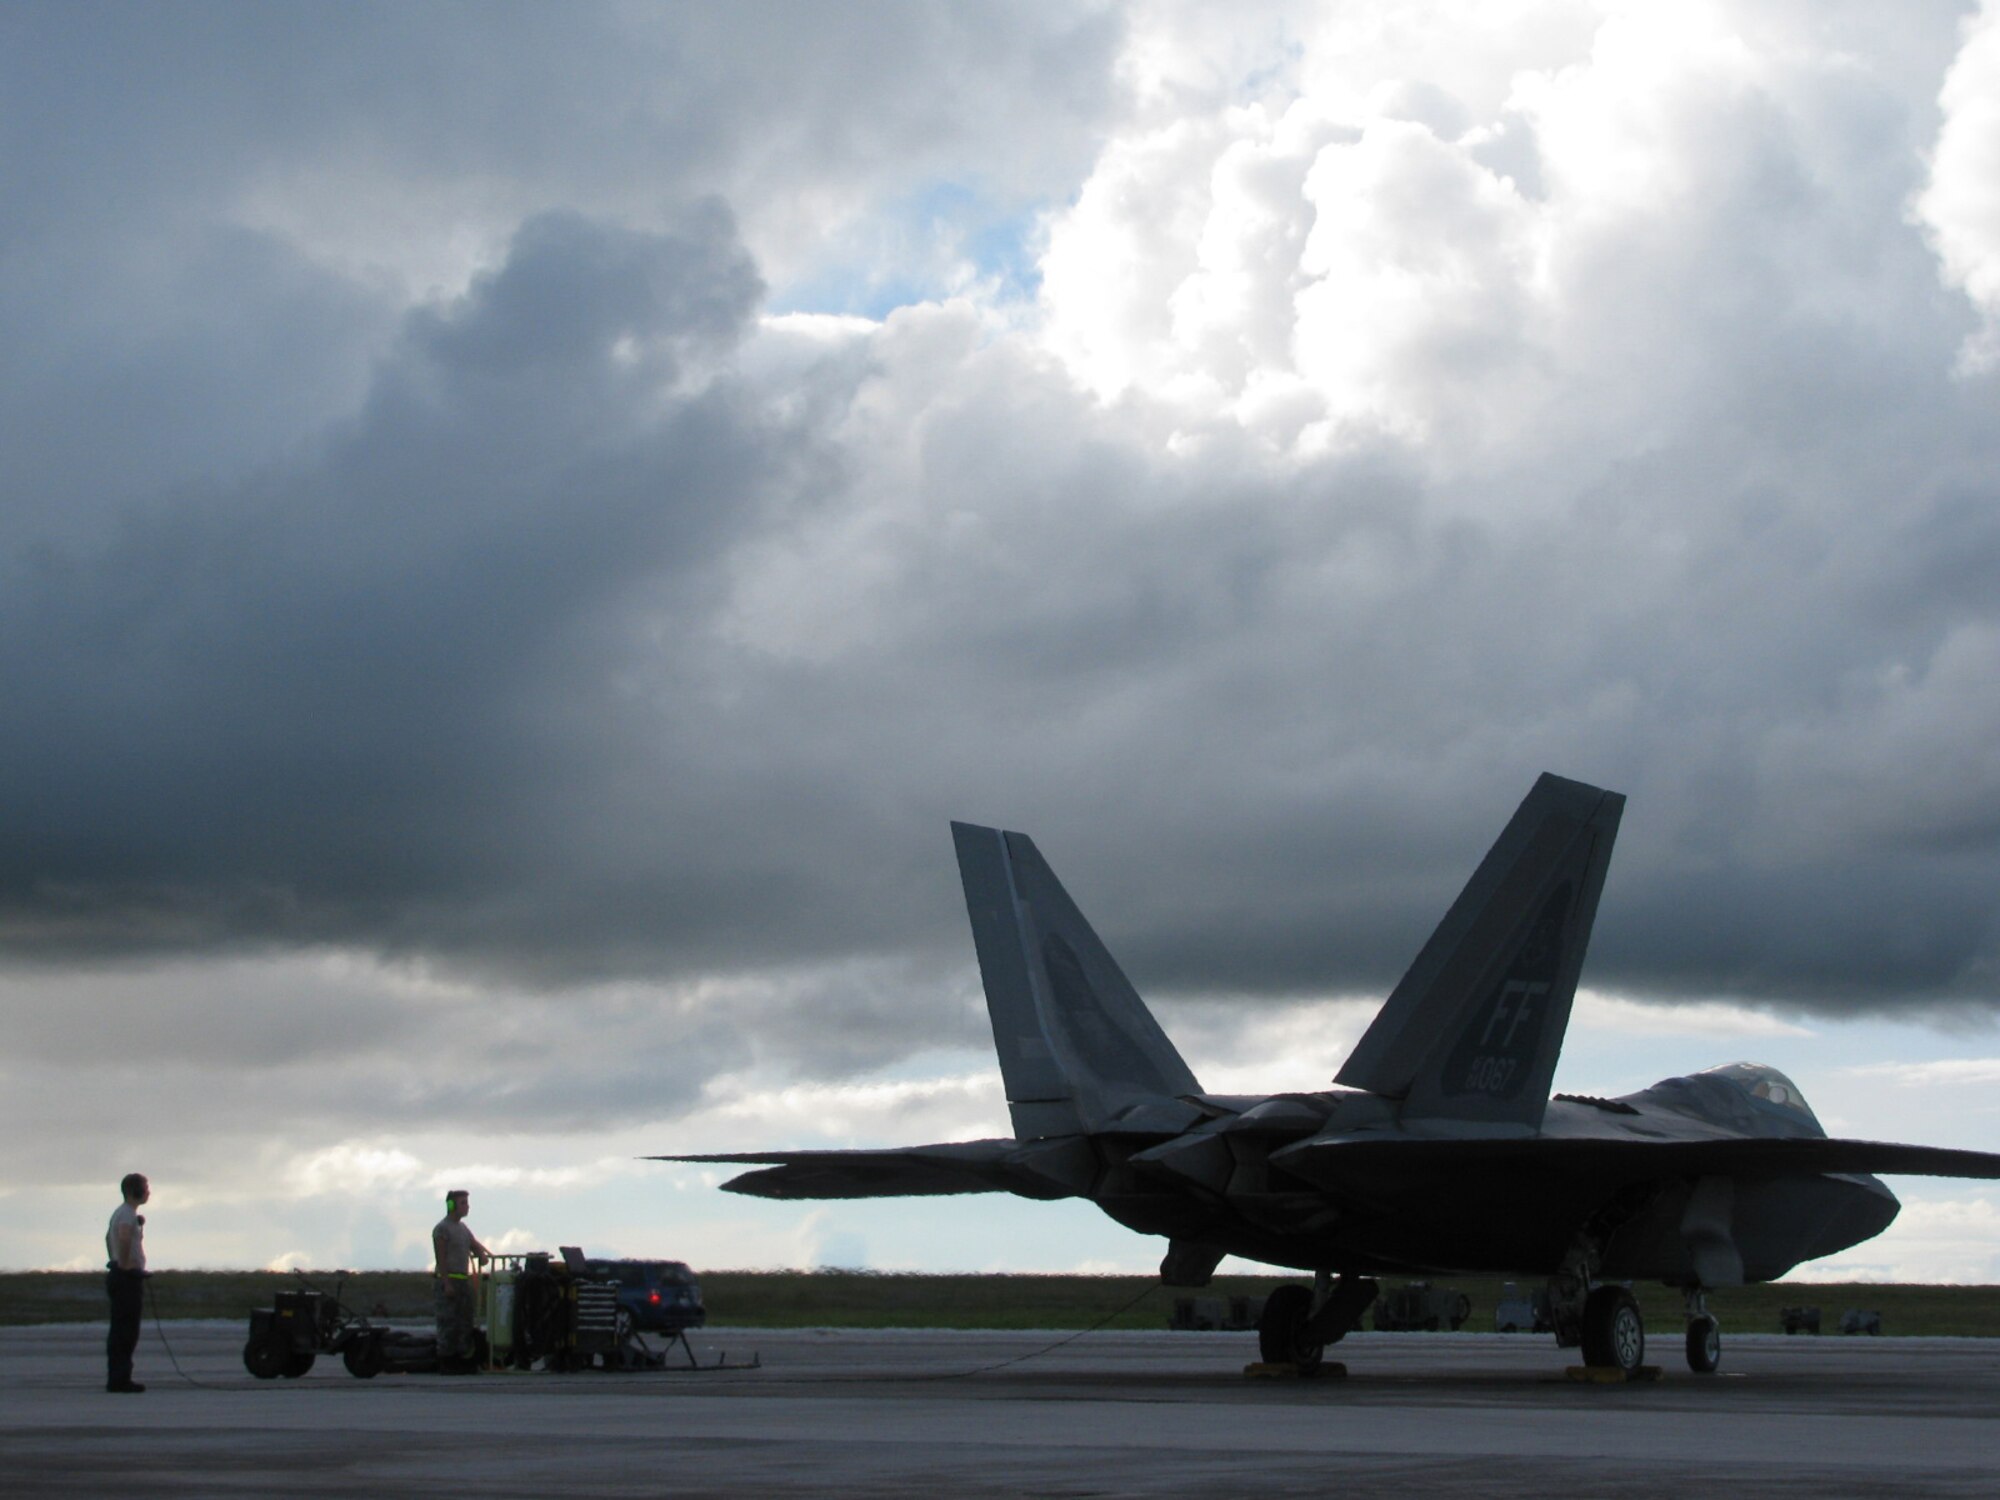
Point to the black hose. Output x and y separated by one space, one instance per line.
153 1304
1120 1312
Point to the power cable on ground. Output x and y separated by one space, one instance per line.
1119 1312
153 1305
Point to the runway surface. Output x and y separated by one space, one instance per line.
1111 1414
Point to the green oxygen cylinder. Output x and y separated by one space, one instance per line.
499 1284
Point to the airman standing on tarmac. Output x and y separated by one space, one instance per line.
455 1248
125 1280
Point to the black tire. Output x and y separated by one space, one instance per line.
1704 1344
1614 1334
1281 1331
297 1364
364 1358
263 1359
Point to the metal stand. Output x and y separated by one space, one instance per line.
693 1363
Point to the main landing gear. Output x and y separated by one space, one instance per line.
1613 1333
1605 1319
1299 1322
1281 1330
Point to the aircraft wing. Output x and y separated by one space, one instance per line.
1032 1169
1358 1163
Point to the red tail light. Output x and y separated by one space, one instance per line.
653 1297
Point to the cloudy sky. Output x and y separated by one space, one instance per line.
520 525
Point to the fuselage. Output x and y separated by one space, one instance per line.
1279 1180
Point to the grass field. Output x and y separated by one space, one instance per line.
860 1299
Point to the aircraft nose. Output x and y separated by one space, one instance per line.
1864 1211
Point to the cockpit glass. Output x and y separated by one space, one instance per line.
1767 1084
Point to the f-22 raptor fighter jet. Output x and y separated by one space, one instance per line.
1442 1152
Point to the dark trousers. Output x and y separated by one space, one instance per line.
128 1292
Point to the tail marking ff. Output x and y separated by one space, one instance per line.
1473 1030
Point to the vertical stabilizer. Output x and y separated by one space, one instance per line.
1077 1045
1473 1030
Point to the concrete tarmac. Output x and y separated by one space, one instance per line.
847 1412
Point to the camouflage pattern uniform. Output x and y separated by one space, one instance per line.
454 1317
455 1247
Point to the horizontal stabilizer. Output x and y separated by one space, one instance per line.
1472 1031
1056 1169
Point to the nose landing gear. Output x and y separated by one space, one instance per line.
1704 1334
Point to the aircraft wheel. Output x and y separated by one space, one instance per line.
1281 1331
1704 1344
1614 1335
262 1360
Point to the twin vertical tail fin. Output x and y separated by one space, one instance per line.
1079 1051
1473 1030
1470 1034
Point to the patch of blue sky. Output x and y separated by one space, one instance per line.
947 239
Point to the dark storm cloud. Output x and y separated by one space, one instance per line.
215 214
295 706
576 628
476 682
129 131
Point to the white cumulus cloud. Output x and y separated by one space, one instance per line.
1961 202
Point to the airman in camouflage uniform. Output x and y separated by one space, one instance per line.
455 1248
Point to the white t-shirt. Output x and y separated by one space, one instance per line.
127 1214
